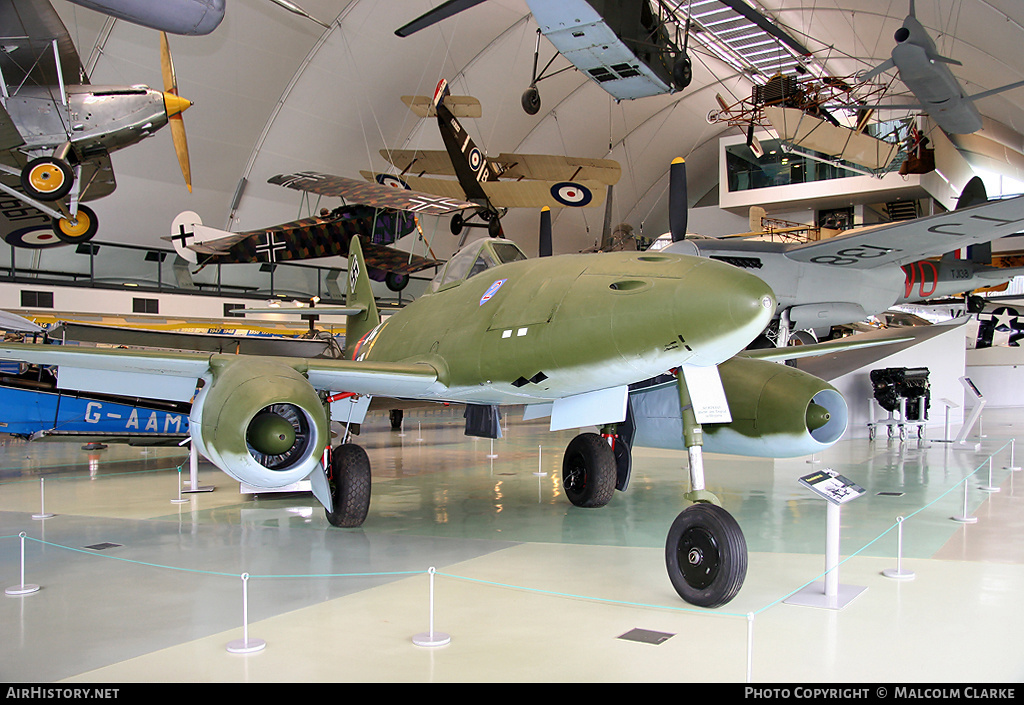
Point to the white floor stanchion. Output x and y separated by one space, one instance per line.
1013 465
419 431
492 453
898 573
24 588
245 645
965 518
989 487
180 499
43 514
540 466
430 637
750 645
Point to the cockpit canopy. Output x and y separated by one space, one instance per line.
474 258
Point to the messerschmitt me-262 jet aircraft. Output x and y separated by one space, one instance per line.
57 131
380 214
863 272
494 184
565 335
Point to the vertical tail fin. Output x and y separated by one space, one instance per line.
359 293
470 164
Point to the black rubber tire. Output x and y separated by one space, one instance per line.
47 179
589 471
706 555
350 486
396 281
531 100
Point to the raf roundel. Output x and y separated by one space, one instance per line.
476 159
391 180
569 194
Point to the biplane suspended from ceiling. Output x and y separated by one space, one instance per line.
495 184
57 131
380 215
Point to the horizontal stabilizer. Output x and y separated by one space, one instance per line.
463 106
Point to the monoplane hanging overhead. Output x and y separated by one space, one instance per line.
380 215
57 131
494 184
631 48
926 73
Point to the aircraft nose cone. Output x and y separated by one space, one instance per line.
731 308
175 104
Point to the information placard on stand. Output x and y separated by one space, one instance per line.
836 490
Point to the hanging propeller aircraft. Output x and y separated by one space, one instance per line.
380 214
494 184
631 48
57 131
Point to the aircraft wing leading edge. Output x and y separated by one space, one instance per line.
182 369
911 241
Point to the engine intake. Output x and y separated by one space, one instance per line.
260 421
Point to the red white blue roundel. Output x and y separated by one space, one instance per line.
38 237
476 159
569 194
491 291
391 180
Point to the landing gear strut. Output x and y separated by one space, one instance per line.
705 552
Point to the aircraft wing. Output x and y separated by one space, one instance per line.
9 135
538 167
420 161
905 242
173 375
516 194
370 193
36 25
395 260
549 167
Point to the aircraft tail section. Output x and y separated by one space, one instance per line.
470 164
191 238
359 295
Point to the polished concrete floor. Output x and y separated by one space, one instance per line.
136 587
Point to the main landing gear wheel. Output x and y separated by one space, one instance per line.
350 486
395 281
706 555
531 100
82 230
589 471
47 179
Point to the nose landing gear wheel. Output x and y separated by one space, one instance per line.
706 555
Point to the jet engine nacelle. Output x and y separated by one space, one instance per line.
777 412
260 421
